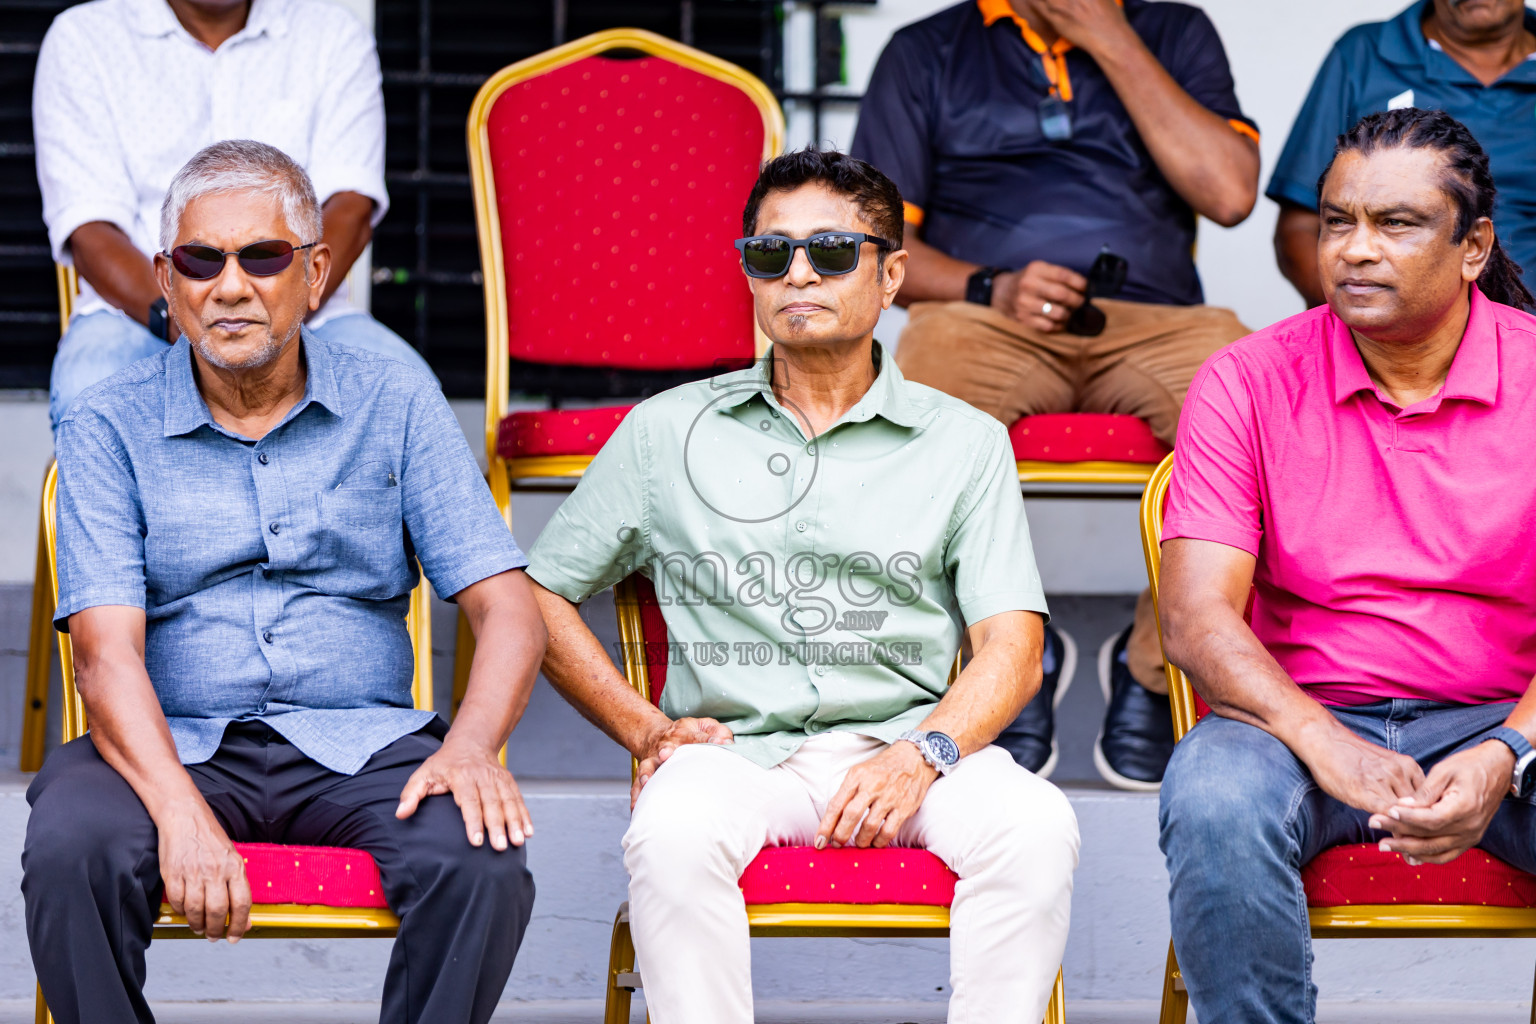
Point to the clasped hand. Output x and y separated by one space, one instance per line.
665 740
1432 818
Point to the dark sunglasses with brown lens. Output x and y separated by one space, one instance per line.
259 259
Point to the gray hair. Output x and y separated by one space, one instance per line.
242 165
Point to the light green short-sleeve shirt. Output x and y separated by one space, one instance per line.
807 585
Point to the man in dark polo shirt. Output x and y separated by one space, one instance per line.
1029 136
1472 60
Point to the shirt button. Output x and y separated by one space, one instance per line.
262 458
821 670
800 526
810 449
275 528
267 636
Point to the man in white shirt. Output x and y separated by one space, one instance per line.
128 90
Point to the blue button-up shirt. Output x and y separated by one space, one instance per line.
274 574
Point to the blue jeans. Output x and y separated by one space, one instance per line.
1240 816
97 345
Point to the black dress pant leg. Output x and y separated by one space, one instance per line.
463 909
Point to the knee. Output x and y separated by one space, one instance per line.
1039 826
68 848
1219 802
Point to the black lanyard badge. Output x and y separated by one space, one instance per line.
1055 119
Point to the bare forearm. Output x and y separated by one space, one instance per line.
1213 167
130 732
1237 677
115 267
932 276
1296 252
1000 679
579 669
348 230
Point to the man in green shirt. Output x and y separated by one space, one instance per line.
819 531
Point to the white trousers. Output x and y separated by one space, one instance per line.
1010 836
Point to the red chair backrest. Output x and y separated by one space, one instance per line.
619 189
653 630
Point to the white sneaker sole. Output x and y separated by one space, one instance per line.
1114 778
1063 684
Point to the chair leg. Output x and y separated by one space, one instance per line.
1056 1009
463 655
34 715
621 971
1175 995
42 1014
1533 1003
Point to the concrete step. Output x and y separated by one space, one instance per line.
1116 951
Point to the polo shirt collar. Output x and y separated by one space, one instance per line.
885 398
1474 373
1402 42
185 409
155 18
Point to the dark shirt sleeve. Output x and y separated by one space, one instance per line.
895 117
1323 117
100 521
1200 66
451 518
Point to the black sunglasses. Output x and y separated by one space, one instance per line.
831 253
259 259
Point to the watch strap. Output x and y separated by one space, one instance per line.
919 739
1525 756
978 287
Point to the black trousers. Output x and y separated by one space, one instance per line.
91 873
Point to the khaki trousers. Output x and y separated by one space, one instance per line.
1141 365
1010 836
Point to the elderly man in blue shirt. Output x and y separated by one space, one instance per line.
240 519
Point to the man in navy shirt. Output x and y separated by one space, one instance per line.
1472 60
1029 136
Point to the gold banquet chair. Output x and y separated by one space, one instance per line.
322 892
1356 891
918 886
34 713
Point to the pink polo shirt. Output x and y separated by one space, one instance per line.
1396 547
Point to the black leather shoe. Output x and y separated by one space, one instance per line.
1136 740
1031 738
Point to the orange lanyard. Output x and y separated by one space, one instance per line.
1053 59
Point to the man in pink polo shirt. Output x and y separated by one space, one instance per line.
1363 468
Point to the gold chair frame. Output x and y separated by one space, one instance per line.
268 920
822 920
1381 921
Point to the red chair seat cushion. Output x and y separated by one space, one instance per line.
1085 437
1362 874
804 874
558 431
327 876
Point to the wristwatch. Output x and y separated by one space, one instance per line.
1525 758
937 749
978 287
158 323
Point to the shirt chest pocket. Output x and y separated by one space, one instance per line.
362 541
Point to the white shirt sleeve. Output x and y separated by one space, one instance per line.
347 152
81 167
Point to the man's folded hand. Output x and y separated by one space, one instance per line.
876 798
1448 813
485 791
204 875
1360 773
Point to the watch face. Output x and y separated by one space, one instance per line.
943 748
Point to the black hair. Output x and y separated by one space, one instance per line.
1467 181
877 197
